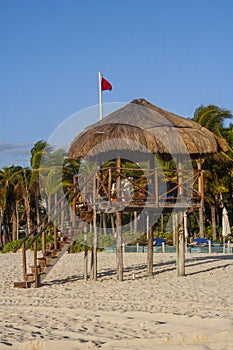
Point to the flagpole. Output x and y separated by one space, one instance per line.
100 95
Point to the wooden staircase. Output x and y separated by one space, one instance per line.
44 264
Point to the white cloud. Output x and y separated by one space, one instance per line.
15 153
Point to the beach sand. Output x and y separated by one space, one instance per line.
160 312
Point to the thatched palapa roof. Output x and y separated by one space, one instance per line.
139 126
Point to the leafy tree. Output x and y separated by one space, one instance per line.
8 181
218 169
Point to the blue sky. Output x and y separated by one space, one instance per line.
178 54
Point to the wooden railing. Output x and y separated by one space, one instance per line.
138 186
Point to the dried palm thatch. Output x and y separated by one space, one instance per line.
141 126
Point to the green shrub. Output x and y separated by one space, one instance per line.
10 246
49 239
168 236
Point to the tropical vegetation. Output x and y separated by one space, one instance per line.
21 203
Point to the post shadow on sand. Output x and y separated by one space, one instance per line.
166 267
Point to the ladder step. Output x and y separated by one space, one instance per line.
51 252
29 277
41 262
24 284
37 268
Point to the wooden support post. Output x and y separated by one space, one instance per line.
74 208
150 252
119 251
135 221
62 214
156 189
94 249
181 245
152 180
24 261
85 275
174 227
180 263
55 236
201 191
43 242
147 224
95 238
150 234
109 183
55 224
36 276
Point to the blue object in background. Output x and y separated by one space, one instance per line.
200 241
158 241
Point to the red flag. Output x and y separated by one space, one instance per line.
105 84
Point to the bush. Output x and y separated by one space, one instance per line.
49 239
10 246
168 236
76 247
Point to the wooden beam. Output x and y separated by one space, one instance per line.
119 251
43 241
85 274
180 245
201 191
36 275
95 237
150 251
150 223
24 260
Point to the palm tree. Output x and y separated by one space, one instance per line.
37 152
8 181
25 188
212 118
217 170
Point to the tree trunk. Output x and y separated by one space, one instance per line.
113 224
17 222
213 221
161 223
14 225
201 222
37 210
28 215
104 224
135 221
1 233
62 214
49 207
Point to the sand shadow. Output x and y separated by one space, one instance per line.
141 270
